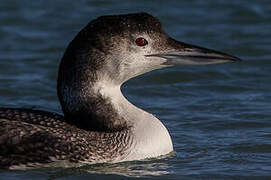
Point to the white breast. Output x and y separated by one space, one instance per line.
151 139
150 136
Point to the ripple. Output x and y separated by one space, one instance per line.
218 116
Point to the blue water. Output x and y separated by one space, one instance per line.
219 116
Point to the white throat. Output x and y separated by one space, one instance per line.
151 138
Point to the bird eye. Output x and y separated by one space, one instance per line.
141 41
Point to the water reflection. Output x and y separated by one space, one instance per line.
153 167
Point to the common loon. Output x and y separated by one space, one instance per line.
99 123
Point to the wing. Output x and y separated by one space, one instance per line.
30 116
26 144
29 137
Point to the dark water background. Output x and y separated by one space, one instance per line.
219 116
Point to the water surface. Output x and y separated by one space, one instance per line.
219 116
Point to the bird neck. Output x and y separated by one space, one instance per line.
151 137
99 106
128 113
102 107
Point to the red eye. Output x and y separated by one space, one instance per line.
141 41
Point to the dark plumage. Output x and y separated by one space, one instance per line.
90 132
86 55
99 123
31 137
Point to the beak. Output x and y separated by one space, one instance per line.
185 54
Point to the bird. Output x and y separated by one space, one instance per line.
99 125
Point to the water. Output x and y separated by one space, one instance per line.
219 116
